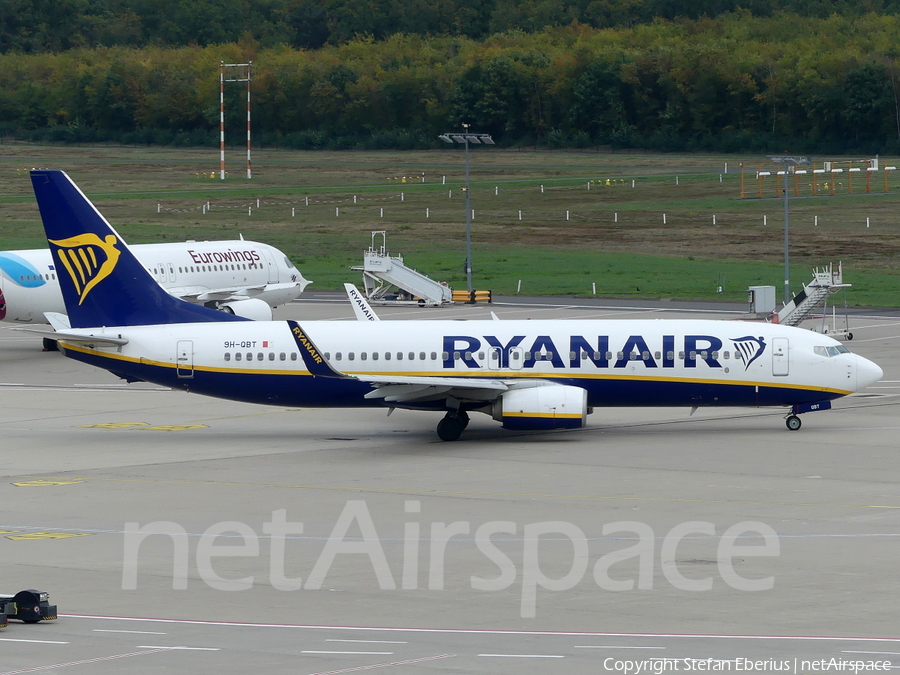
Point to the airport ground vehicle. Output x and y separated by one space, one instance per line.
28 606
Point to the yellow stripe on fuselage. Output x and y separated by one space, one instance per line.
166 364
492 375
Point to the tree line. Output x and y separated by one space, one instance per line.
736 82
35 26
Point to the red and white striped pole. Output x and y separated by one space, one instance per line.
222 120
249 165
242 75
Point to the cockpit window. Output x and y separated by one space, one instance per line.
287 261
830 351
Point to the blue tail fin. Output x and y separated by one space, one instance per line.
102 283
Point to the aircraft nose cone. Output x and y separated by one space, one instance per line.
867 373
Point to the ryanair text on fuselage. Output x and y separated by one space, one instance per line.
459 350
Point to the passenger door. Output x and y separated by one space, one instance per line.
271 266
780 357
184 359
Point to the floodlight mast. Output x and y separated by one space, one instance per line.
787 162
465 138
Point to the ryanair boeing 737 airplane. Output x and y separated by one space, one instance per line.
525 374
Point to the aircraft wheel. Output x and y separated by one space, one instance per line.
450 428
463 418
793 422
226 309
849 336
51 345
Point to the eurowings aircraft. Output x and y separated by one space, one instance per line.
239 277
525 374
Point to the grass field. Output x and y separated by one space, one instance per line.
559 222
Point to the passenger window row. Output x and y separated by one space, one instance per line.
515 355
261 356
387 356
202 268
708 355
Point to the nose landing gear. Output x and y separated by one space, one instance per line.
793 422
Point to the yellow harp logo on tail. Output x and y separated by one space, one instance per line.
88 260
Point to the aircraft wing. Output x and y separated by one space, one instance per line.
399 389
405 389
228 294
200 294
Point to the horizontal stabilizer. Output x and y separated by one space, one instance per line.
57 320
73 337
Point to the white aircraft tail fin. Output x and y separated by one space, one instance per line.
101 281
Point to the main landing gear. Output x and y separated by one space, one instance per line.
451 427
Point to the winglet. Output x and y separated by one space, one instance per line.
312 357
360 306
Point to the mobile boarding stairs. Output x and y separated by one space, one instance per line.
825 283
388 280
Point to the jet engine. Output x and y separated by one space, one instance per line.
551 406
252 308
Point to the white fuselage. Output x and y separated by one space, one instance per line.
195 271
619 363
